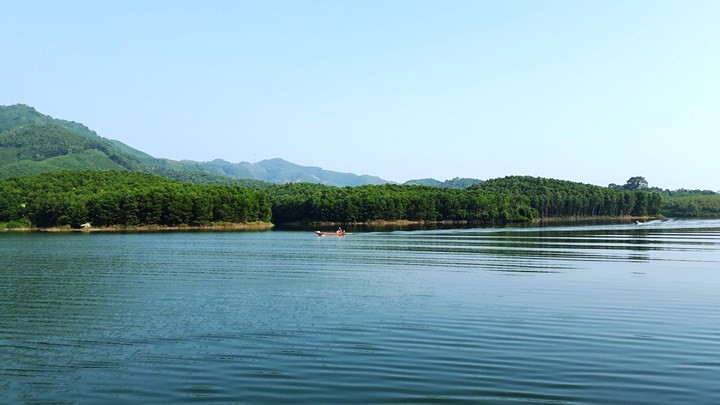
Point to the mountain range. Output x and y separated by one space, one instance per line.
33 143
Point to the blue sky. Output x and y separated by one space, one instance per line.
591 91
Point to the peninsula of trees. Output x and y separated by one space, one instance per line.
119 198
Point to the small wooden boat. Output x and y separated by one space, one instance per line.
320 233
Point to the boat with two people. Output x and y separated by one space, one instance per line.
339 232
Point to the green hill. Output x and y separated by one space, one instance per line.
424 182
18 115
38 147
562 198
40 142
33 143
86 159
457 182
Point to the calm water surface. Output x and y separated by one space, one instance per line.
584 314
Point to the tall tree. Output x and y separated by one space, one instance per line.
636 183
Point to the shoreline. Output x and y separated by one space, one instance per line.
405 222
250 226
593 218
262 226
377 222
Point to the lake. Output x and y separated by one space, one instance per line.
562 314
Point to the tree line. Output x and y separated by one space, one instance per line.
302 202
692 206
106 198
562 198
678 203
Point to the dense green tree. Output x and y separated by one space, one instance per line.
636 183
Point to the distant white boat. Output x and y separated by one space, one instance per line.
640 223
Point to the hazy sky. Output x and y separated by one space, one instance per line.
592 91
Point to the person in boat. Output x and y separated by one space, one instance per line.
340 231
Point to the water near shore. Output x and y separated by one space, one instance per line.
576 314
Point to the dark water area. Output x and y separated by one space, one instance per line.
561 314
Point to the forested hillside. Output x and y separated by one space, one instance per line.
560 198
39 142
33 143
17 115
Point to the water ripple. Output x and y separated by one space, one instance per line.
584 314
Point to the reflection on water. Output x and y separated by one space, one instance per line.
595 313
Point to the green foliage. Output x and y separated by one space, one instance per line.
18 115
676 203
39 142
636 183
39 148
693 206
457 182
681 192
32 143
424 182
82 160
302 202
200 177
461 182
31 138
560 198
281 171
20 223
106 198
